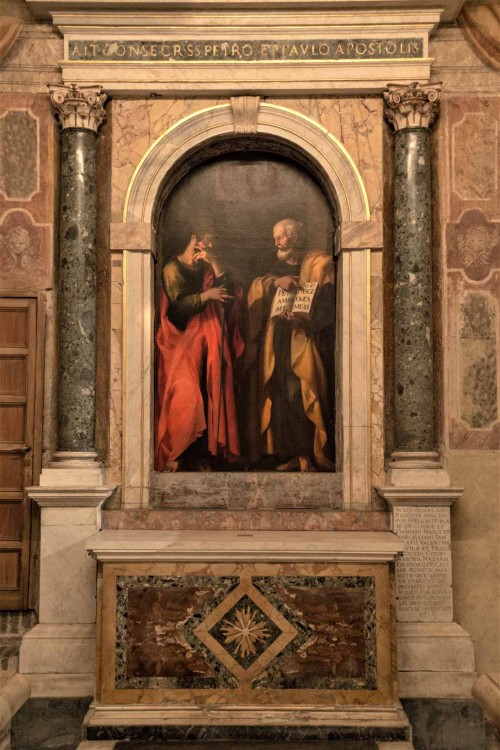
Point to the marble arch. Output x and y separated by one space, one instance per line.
357 235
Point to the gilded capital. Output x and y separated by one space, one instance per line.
78 106
413 106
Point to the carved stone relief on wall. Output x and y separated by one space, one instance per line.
24 251
473 244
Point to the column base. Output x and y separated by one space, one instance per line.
73 469
14 692
435 660
487 693
446 724
58 660
415 460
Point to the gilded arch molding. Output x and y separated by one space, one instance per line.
357 235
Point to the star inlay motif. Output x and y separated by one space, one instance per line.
245 632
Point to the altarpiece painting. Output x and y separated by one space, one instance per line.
245 319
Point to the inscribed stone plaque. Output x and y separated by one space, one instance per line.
244 50
423 575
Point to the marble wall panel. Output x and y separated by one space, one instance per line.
249 520
358 124
19 135
377 369
27 190
137 123
470 207
116 360
246 633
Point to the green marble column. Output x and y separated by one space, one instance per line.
411 110
80 112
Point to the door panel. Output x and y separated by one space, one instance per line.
12 374
11 472
10 569
12 521
14 329
18 351
12 421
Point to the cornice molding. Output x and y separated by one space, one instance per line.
245 546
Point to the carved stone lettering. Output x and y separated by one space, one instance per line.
423 575
232 50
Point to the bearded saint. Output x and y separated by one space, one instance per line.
196 411
289 360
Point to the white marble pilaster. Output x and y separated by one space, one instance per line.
354 424
138 357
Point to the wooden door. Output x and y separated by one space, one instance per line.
18 348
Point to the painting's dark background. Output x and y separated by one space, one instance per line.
242 196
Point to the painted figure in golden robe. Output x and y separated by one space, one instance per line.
289 358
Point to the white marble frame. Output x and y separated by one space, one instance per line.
137 244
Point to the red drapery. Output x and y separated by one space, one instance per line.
181 411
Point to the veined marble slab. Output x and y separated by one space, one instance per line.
304 546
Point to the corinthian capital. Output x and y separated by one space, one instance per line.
413 106
78 107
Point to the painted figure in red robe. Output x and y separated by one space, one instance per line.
198 344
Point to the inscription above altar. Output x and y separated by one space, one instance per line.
249 51
209 50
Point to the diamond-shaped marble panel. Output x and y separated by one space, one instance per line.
245 632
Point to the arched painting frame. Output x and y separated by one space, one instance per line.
341 177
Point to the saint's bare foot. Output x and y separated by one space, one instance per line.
305 464
291 465
173 465
204 465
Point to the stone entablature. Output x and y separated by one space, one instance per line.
157 49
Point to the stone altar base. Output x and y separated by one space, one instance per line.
266 724
254 636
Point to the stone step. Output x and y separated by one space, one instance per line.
334 745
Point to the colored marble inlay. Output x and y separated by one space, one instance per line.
246 632
336 616
155 645
286 632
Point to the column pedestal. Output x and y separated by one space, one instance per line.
435 654
58 654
